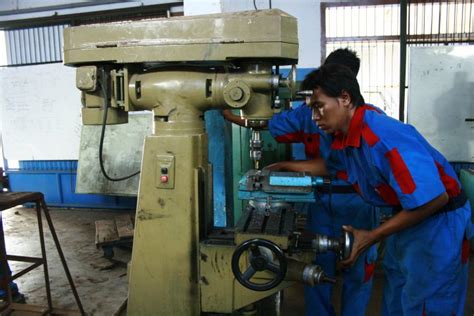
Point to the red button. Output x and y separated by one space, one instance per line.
164 179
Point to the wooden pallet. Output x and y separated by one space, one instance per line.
111 231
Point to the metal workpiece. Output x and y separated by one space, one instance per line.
285 186
293 179
278 185
262 34
279 181
340 245
307 273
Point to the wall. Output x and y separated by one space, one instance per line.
196 7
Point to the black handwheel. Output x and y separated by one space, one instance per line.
259 261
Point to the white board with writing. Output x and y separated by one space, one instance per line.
441 98
40 112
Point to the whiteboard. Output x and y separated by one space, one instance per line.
441 98
40 112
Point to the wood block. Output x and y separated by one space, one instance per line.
124 226
105 232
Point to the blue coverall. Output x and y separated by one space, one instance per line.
327 216
391 164
12 285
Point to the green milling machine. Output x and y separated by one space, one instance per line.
179 68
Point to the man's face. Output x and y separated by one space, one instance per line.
330 113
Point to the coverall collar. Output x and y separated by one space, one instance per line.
352 137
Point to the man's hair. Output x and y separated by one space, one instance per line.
333 79
341 56
346 57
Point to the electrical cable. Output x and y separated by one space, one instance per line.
255 5
103 84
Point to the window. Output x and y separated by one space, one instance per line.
372 29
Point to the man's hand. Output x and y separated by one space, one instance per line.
278 166
315 167
363 239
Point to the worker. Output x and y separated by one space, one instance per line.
330 211
17 297
391 164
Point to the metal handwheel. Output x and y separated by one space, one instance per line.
259 261
346 246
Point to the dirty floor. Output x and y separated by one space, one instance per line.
102 284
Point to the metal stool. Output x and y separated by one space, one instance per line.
12 199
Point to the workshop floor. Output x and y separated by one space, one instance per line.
102 285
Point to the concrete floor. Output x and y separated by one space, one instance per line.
102 285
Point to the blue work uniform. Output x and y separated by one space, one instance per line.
12 285
327 216
391 164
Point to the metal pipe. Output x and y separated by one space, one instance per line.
61 256
403 58
43 254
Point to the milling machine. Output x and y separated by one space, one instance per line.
179 68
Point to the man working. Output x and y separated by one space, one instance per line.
391 164
17 297
331 210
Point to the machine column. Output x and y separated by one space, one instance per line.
164 269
